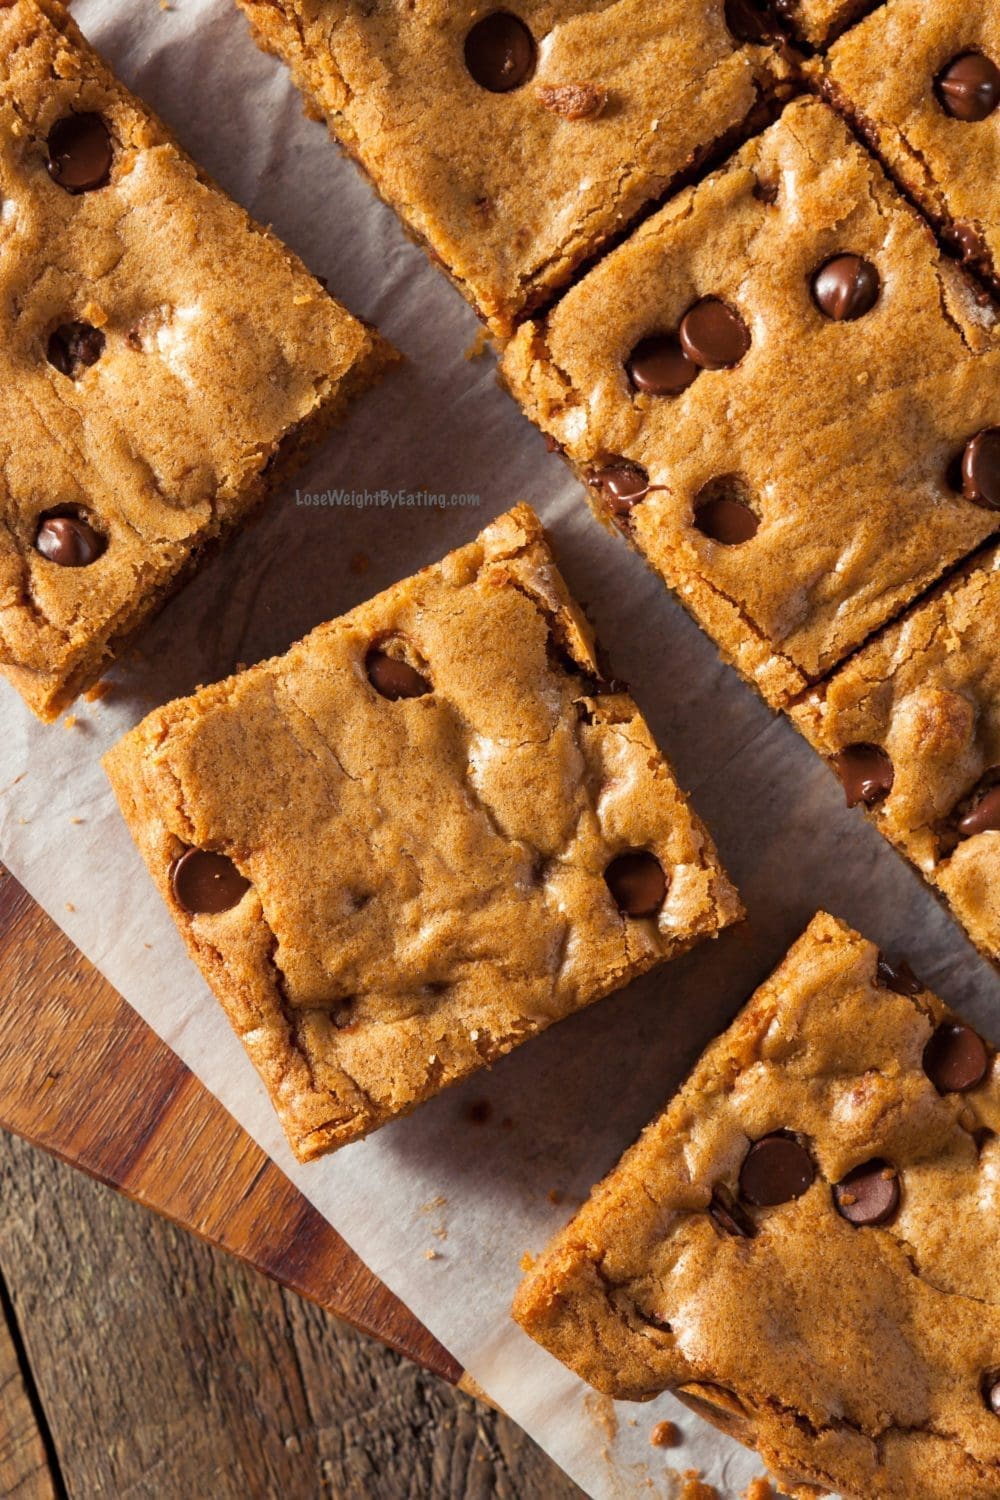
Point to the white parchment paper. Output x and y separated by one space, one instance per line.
564 1106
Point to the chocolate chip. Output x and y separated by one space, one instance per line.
624 484
730 1215
658 366
846 288
637 882
984 816
748 21
206 883
500 52
80 153
981 469
69 542
394 678
866 772
991 1392
897 976
969 87
869 1194
775 1170
955 1058
713 335
74 347
966 243
726 520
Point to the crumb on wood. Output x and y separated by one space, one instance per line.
76 820
70 906
70 721
665 1435
432 1255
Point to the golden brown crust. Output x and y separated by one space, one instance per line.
816 422
853 1358
509 194
209 384
427 874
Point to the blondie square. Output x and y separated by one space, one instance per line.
515 143
163 359
427 832
912 726
803 1245
922 82
770 388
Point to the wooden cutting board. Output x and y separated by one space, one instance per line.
84 1077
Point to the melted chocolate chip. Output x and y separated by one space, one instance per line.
726 520
624 484
637 882
981 469
866 772
749 21
897 976
983 816
658 366
991 1392
846 288
869 1195
394 678
713 336
74 347
80 153
206 883
775 1170
69 542
955 1058
500 52
969 87
730 1215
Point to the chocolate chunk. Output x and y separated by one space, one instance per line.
69 542
206 883
573 101
775 1170
846 288
713 335
80 153
969 87
500 52
394 678
869 1194
726 520
955 1058
981 468
866 772
624 484
748 21
74 347
984 816
966 243
897 976
730 1215
637 882
658 366
991 1392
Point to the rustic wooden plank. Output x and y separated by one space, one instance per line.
168 1371
84 1077
24 1465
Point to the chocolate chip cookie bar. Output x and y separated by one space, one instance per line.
427 832
803 1245
922 83
912 726
150 397
515 143
771 388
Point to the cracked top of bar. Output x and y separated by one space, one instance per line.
923 83
163 358
440 831
803 1245
926 696
514 146
800 496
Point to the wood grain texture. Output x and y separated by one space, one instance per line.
84 1077
169 1371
